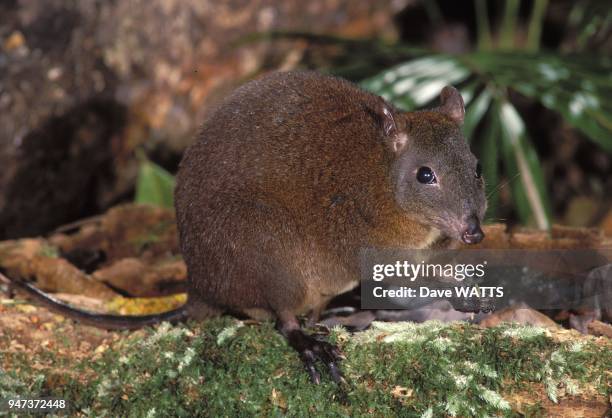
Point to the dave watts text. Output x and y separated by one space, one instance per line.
426 292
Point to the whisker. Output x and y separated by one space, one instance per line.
502 185
496 219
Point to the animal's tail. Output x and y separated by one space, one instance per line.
96 319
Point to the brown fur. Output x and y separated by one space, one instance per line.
290 177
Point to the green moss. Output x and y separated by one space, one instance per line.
226 368
12 385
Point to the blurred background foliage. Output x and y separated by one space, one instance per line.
96 111
575 85
507 80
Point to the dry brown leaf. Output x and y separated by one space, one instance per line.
58 275
401 392
568 406
141 279
521 315
278 399
600 328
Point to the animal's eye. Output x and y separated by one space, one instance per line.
478 171
426 175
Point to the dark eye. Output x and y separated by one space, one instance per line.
426 175
478 171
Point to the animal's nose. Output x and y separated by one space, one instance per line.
472 233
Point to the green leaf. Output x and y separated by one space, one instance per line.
508 24
482 25
475 112
155 186
578 87
468 91
417 82
583 110
536 21
520 159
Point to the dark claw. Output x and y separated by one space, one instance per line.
335 372
315 376
312 350
338 354
309 359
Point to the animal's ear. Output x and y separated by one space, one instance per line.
385 116
451 104
395 139
388 121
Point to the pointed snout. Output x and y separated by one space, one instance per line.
472 234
